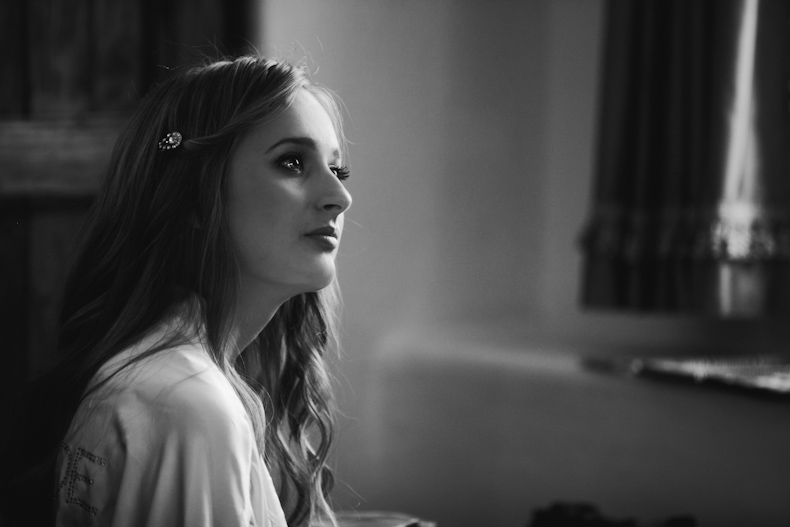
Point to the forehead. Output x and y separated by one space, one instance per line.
306 117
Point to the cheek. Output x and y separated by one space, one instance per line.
250 224
267 231
258 231
265 217
256 206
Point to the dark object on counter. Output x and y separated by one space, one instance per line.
574 515
681 521
586 515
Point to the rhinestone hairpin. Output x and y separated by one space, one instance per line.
172 140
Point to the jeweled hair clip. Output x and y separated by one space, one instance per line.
172 140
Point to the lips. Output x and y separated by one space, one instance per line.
324 231
324 238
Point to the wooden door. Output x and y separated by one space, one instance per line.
72 72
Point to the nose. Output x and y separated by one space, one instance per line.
335 197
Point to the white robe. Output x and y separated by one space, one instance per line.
165 443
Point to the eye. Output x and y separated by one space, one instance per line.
292 162
342 173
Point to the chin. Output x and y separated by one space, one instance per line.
320 280
323 284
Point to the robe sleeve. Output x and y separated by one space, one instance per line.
174 451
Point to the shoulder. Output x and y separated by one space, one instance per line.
166 433
176 395
172 414
180 389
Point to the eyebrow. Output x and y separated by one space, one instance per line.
305 141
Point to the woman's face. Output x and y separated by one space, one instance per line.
286 200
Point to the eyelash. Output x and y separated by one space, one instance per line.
341 172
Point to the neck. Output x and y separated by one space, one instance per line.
254 309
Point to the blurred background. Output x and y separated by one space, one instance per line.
462 383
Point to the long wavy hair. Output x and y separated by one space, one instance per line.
142 259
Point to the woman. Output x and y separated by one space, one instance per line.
199 310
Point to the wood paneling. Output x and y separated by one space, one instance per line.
66 58
37 235
53 231
72 71
55 157
117 48
60 59
14 88
14 279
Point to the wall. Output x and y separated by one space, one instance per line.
447 106
475 429
472 126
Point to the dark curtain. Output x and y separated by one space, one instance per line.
691 205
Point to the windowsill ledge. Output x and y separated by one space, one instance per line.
464 417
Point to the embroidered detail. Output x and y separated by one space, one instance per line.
72 477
